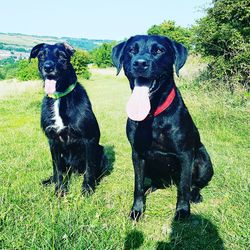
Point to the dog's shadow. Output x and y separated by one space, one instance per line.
109 160
194 233
134 239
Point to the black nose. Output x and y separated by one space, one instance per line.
49 66
140 64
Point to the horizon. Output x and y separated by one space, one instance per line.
111 21
51 36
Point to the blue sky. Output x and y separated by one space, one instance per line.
108 19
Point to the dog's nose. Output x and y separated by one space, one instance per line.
48 66
140 64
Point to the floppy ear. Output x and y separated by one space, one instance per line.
117 56
180 56
69 49
34 52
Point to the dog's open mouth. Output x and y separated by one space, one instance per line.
138 106
49 86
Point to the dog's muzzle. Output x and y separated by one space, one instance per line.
49 66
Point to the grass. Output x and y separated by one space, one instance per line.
31 217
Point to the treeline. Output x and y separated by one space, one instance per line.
221 38
4 46
25 70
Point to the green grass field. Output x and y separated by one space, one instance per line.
31 217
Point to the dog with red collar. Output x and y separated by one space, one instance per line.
166 145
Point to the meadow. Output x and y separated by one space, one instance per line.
31 217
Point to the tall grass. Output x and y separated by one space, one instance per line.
31 217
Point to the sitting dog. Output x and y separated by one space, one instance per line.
165 142
67 120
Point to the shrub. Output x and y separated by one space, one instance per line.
171 30
80 61
101 56
27 70
9 70
2 77
223 38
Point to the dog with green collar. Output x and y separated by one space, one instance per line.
68 121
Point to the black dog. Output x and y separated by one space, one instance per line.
165 142
68 120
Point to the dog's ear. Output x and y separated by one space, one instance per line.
117 56
69 49
34 52
180 56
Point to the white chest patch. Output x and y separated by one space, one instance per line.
58 122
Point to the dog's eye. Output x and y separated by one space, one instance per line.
132 51
159 51
63 58
41 56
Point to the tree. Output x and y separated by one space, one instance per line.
171 30
80 61
223 38
101 56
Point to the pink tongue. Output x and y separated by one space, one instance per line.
138 105
50 86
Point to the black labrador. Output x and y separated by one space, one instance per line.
67 120
166 146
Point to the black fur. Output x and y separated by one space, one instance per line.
165 148
75 145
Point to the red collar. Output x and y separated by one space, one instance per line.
166 103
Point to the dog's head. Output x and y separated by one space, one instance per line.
53 64
148 61
149 57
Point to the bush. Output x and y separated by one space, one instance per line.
21 70
171 30
2 77
27 70
80 61
223 38
9 71
101 56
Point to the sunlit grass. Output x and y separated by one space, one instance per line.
31 217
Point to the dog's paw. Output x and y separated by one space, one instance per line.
196 198
48 181
87 190
61 190
135 215
60 193
137 210
182 212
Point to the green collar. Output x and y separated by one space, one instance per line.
57 95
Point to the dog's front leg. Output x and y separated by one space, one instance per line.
184 185
88 185
139 194
57 169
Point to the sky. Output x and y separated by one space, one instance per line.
93 19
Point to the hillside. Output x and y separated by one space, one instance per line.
31 217
18 45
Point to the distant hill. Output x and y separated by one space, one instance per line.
17 45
